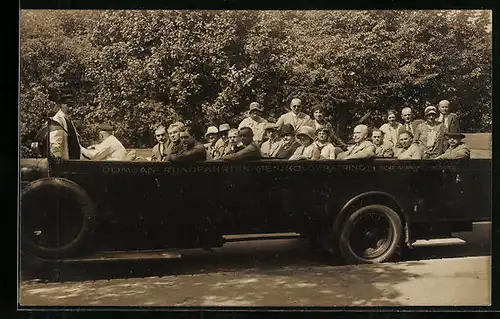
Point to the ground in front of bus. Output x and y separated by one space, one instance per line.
277 273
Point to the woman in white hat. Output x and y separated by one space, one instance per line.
430 134
307 149
255 121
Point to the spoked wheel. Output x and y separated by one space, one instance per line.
55 218
370 235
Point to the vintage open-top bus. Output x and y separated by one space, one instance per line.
363 209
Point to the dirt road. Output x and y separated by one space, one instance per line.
277 273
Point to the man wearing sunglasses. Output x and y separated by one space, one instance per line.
160 148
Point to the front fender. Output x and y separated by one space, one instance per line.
33 169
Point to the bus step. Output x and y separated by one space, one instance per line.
127 255
438 242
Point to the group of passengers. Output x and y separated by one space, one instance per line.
295 136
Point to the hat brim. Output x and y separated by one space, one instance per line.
454 135
431 112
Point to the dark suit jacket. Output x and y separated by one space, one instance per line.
453 125
250 152
287 152
413 128
156 156
196 153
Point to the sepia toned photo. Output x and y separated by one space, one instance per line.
180 158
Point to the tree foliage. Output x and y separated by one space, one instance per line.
138 69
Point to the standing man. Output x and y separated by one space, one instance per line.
109 148
295 117
456 147
160 148
64 143
192 150
271 146
408 149
409 125
255 122
430 134
449 119
383 147
250 150
362 148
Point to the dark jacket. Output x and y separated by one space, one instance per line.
195 153
248 153
285 152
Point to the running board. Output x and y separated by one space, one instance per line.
248 237
125 255
438 242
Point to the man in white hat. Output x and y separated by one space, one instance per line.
159 150
272 145
295 117
109 148
430 134
223 140
362 148
307 149
456 147
255 121
211 137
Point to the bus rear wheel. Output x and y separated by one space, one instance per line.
371 234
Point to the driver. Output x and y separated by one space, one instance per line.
109 148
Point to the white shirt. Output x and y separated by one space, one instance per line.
256 126
111 149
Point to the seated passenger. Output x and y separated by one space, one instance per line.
211 137
159 150
430 134
362 148
408 149
307 149
391 128
221 143
383 147
271 146
234 142
456 147
250 150
191 151
174 145
109 148
288 143
326 149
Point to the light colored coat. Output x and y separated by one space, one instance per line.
59 136
422 135
412 152
270 148
310 152
256 126
297 121
327 150
111 149
365 149
461 151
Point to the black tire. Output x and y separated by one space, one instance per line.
386 241
56 218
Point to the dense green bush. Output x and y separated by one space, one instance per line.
138 69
